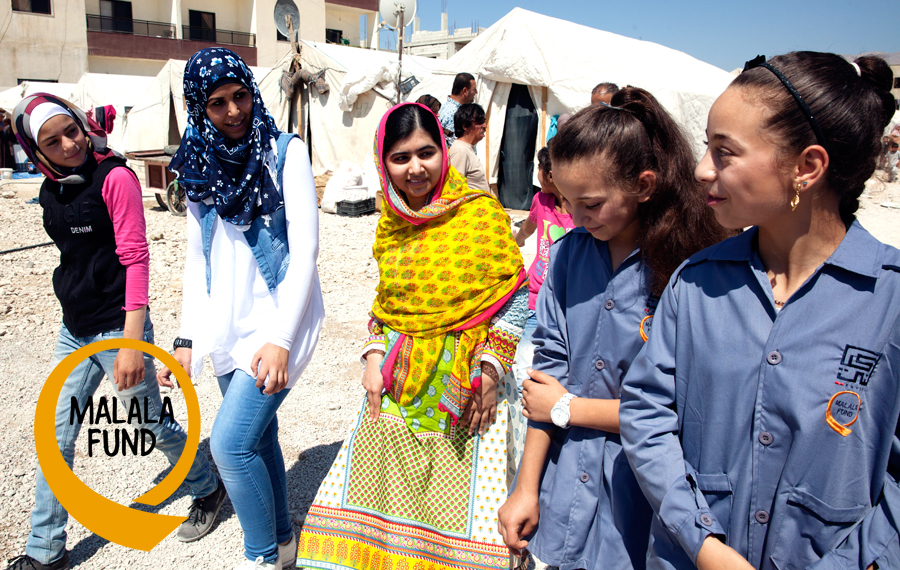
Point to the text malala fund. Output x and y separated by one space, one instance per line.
121 440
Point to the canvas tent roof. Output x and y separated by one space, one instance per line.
152 124
11 97
568 59
120 91
336 134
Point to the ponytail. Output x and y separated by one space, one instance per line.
632 135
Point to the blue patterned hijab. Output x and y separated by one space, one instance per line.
210 164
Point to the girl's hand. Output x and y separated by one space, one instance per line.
373 382
539 394
716 555
481 410
128 368
270 361
517 518
183 356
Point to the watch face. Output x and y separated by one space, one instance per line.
559 416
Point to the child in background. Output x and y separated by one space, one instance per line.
549 216
892 160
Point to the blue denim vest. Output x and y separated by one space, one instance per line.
267 236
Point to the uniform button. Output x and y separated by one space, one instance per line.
609 304
706 520
765 438
774 357
762 517
585 477
600 365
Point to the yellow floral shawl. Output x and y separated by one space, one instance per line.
447 270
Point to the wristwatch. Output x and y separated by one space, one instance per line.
559 413
182 343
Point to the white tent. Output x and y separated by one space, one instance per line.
336 134
560 62
159 115
120 91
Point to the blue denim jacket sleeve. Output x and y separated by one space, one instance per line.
648 424
550 347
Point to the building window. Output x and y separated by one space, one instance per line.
33 6
333 36
203 26
22 80
116 16
897 83
281 37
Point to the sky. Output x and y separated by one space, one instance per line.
724 33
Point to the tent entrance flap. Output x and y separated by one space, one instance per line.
517 150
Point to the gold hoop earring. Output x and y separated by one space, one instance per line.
795 201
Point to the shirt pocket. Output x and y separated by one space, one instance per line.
809 527
717 491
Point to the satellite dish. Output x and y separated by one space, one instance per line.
390 11
287 8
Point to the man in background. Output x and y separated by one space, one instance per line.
603 93
470 126
463 92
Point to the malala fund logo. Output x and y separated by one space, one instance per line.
106 518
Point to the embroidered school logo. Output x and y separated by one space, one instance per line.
843 411
114 522
647 322
857 365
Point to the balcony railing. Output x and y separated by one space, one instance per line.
128 26
224 37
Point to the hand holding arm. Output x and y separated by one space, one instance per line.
542 391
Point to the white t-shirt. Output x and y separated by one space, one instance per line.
240 315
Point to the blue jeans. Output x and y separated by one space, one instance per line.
244 445
47 541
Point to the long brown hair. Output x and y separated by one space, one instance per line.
633 135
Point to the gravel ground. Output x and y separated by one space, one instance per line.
313 420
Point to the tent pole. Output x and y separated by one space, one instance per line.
487 145
400 54
543 117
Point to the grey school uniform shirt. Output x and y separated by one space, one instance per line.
593 514
775 430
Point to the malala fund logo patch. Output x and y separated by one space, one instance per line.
106 518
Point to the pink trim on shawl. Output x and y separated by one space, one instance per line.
387 367
444 168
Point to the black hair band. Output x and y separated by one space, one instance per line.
760 61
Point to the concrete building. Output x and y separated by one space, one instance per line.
442 44
59 40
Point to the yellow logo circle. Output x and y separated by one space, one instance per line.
106 518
